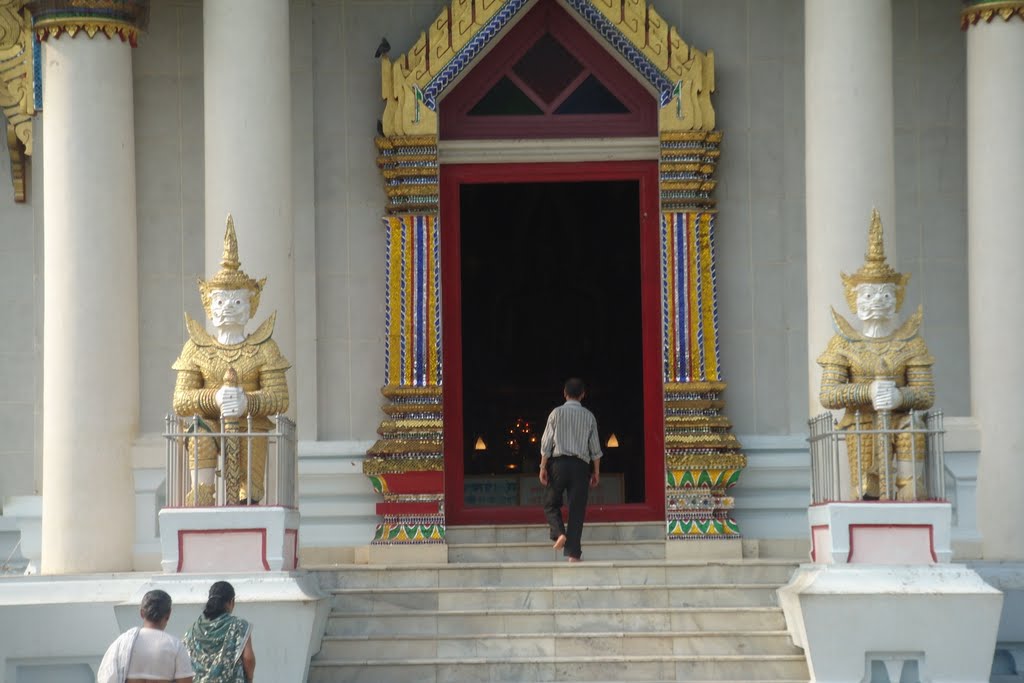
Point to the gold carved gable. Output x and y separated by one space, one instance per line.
683 76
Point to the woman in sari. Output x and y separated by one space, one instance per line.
219 643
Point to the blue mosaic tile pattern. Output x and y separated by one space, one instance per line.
625 47
469 52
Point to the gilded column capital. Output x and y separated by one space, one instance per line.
987 10
124 18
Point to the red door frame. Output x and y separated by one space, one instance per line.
452 178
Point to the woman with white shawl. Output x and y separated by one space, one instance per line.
147 654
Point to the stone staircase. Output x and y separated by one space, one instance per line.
508 608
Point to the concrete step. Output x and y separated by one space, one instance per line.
383 600
620 620
566 621
558 573
587 668
541 644
543 552
11 560
336 500
539 533
531 542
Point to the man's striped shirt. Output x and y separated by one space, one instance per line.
571 430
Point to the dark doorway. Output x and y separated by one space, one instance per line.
551 288
549 270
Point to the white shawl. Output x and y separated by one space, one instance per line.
114 667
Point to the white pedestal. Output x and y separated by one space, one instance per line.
288 611
881 596
229 539
940 618
880 533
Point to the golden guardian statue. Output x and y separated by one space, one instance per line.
257 387
879 375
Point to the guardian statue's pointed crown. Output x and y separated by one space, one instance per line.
876 270
231 276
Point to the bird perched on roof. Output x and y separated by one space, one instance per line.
382 49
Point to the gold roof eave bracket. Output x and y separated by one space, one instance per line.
17 90
19 165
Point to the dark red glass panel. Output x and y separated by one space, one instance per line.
505 99
548 68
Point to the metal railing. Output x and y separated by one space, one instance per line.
185 435
831 446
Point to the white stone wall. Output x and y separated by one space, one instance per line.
21 332
339 258
929 69
168 83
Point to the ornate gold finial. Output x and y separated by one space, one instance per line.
876 270
229 258
231 276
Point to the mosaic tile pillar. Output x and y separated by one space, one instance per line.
406 465
702 457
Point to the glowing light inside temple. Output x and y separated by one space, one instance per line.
480 445
613 441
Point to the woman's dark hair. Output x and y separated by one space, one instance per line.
221 593
156 606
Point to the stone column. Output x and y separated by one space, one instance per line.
850 165
248 165
90 323
995 228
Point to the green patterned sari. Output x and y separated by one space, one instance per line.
215 646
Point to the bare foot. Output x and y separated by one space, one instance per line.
559 542
575 559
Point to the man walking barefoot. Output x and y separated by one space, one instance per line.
568 449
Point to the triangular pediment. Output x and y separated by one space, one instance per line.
548 78
464 32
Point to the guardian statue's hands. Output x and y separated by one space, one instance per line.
885 395
232 401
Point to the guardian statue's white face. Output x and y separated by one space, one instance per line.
229 307
876 302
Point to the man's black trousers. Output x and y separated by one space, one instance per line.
567 475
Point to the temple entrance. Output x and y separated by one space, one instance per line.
594 115
549 271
